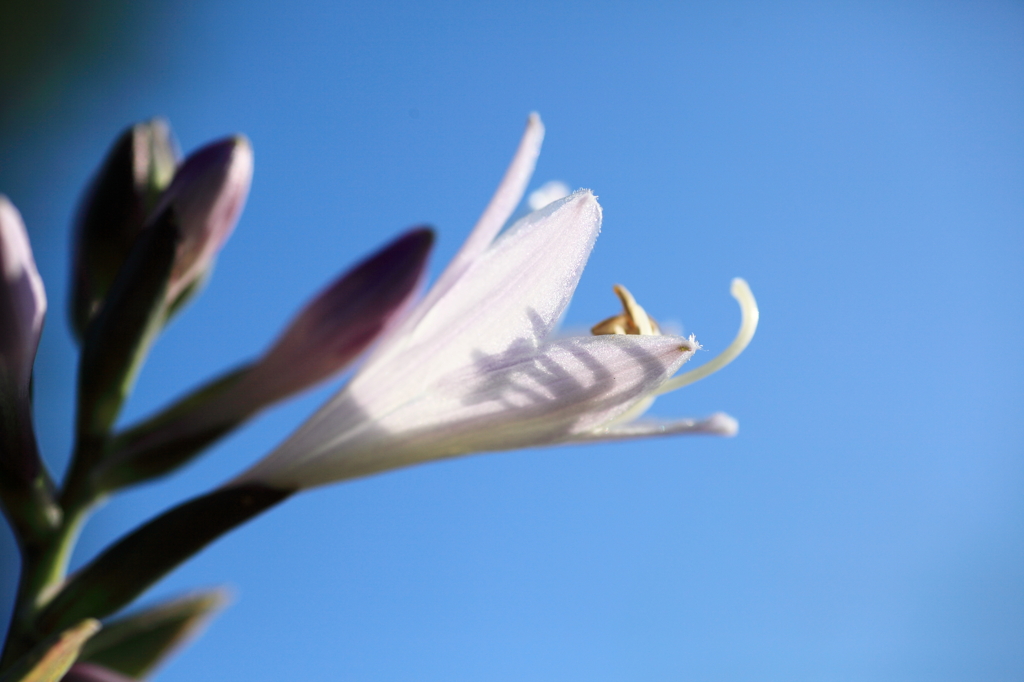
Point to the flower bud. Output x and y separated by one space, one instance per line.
22 301
344 318
325 337
113 211
26 491
207 196
170 257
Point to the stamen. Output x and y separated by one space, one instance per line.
740 290
634 319
637 315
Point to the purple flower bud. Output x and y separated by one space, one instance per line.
22 299
326 336
25 487
207 196
344 318
113 210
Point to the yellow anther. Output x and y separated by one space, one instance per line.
633 320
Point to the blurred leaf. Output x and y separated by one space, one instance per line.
87 672
50 659
135 644
128 568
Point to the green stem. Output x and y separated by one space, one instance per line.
44 562
44 568
127 568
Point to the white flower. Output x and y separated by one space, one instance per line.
474 366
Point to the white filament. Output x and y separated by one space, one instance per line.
740 290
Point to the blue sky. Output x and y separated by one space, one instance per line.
860 164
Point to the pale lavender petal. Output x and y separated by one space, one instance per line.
718 424
514 293
207 195
22 298
519 398
472 369
499 210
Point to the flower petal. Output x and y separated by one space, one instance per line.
718 424
499 210
517 398
513 294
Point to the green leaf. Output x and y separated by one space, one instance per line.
135 644
49 660
125 570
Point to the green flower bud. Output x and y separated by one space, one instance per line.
113 211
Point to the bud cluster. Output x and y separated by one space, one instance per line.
146 237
